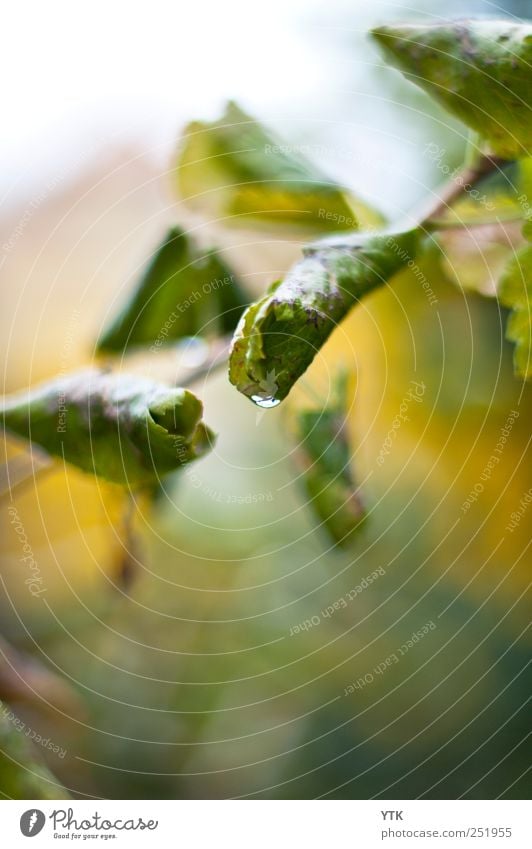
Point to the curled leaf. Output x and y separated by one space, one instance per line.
120 427
515 292
324 456
278 337
480 70
236 167
182 290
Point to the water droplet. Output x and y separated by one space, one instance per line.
266 402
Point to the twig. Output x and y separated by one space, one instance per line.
461 182
129 557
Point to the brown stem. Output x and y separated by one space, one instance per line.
457 186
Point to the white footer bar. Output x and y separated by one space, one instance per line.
266 824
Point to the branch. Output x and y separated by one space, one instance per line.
460 184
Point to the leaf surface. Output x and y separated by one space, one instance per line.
279 336
182 292
119 427
236 168
479 70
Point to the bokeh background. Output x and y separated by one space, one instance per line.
188 684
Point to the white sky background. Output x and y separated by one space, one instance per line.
84 75
98 70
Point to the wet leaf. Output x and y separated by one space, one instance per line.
235 167
480 70
120 427
183 291
279 336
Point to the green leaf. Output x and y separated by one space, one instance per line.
480 70
235 168
120 427
515 292
324 455
183 291
279 336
